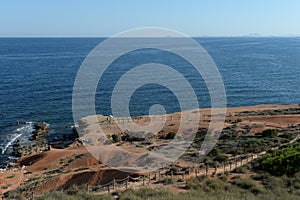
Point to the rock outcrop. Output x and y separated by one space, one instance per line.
34 148
41 130
38 144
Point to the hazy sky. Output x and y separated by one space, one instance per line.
107 17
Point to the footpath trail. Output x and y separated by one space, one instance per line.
155 179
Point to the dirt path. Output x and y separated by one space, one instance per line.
152 183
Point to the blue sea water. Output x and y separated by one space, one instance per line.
37 77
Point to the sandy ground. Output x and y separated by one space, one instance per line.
60 168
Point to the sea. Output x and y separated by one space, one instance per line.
37 77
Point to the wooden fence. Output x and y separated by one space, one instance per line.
160 175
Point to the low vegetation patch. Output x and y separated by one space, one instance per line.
171 136
281 162
11 176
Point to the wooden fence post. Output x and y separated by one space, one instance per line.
159 175
241 160
126 184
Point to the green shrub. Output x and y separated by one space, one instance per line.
11 176
81 169
242 169
145 193
221 158
76 194
6 186
247 184
79 156
195 183
170 135
14 195
175 170
223 177
270 133
214 152
116 138
213 185
167 181
281 162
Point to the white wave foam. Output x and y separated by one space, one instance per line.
20 129
16 134
10 142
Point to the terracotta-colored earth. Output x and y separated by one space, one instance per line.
62 168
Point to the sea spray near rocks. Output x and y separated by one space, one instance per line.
23 139
10 143
28 138
37 142
24 129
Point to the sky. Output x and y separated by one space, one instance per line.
103 18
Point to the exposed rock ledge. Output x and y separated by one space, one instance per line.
38 144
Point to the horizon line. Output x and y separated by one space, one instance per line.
203 36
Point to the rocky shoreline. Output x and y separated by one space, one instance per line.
40 140
37 144
60 168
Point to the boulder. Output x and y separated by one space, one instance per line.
38 144
41 130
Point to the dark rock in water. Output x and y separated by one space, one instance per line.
41 130
17 144
63 140
21 122
29 149
40 140
38 144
